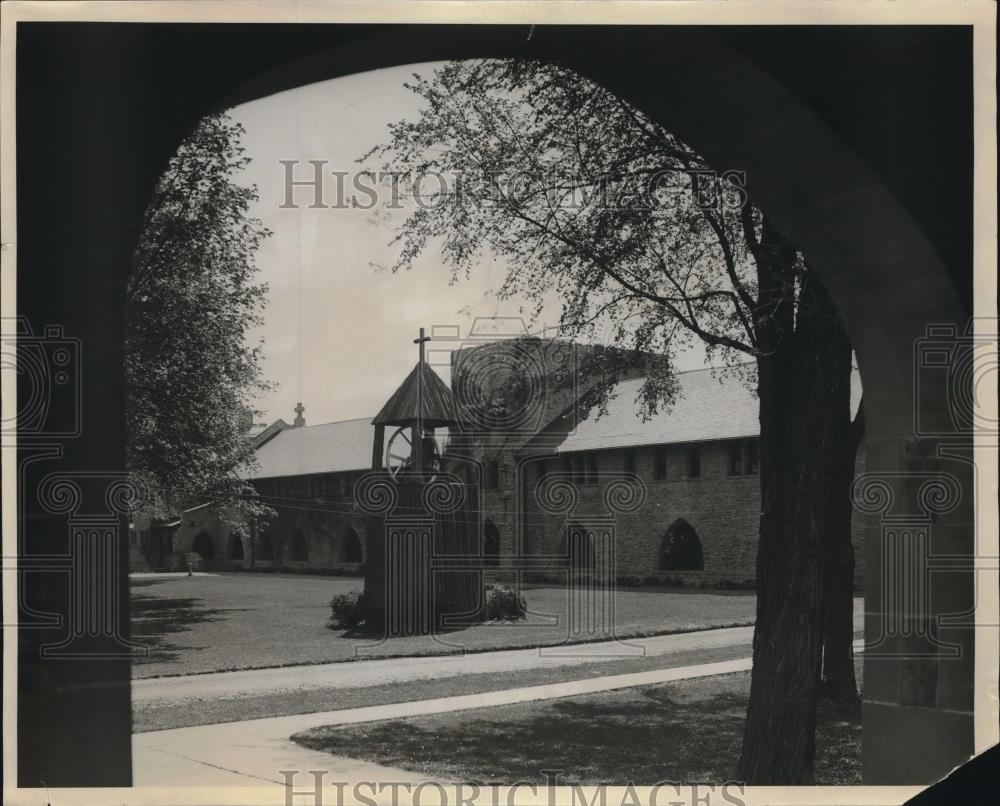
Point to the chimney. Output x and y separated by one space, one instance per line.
299 420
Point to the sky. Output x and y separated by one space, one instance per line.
338 332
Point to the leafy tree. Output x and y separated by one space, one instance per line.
191 299
588 198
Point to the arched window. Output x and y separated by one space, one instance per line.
680 549
491 545
351 549
203 546
235 547
299 549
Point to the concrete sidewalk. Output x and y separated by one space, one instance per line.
254 752
357 674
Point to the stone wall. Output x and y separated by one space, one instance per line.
317 525
200 528
317 522
722 509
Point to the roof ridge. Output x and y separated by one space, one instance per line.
332 422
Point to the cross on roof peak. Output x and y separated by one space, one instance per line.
421 341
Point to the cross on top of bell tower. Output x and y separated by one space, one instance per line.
422 341
299 419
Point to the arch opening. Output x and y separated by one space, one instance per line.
265 548
202 545
793 213
351 548
680 548
235 547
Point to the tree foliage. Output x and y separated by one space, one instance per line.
584 196
192 298
588 199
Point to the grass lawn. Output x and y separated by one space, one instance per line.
243 621
148 716
688 731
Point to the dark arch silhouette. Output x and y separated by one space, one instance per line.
776 137
351 549
298 550
265 548
203 546
680 549
235 547
491 545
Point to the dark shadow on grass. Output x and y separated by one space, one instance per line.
645 736
154 618
362 633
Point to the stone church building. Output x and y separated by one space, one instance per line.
695 462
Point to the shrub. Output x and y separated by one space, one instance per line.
629 582
347 611
504 604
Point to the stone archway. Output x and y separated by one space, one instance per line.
235 546
680 548
352 550
203 545
265 547
859 205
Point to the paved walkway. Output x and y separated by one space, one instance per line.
358 674
253 753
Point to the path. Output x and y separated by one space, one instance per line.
341 675
253 752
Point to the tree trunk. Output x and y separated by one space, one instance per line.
253 542
800 387
839 680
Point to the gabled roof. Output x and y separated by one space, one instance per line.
709 406
327 448
436 404
261 434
